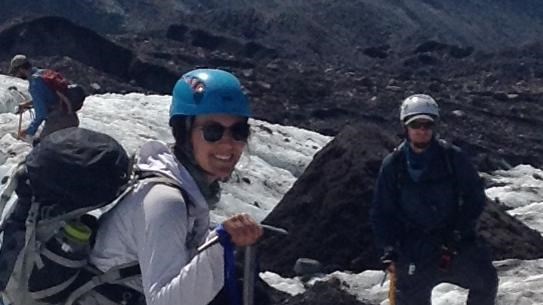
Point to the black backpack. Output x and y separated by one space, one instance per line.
48 234
76 95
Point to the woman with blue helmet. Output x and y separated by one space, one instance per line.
159 226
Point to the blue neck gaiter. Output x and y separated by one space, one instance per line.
417 162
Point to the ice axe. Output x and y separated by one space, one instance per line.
249 264
13 88
391 287
20 111
249 267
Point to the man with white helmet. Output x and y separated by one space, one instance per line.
428 199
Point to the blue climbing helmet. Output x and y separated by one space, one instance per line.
208 91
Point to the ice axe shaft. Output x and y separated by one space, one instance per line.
249 264
209 243
392 289
249 267
13 88
249 274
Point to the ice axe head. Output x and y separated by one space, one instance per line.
273 229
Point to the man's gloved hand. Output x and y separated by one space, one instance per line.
447 255
19 109
22 107
22 135
389 257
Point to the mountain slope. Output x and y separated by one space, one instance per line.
338 31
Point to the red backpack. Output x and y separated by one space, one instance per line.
72 96
54 80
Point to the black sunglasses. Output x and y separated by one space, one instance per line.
419 125
213 132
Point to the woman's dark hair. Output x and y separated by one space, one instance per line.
181 127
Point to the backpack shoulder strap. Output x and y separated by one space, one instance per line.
64 102
449 150
160 178
124 272
113 275
53 79
398 163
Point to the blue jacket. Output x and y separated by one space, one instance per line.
43 99
417 217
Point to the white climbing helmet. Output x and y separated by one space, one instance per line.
418 106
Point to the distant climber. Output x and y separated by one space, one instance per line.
427 201
49 98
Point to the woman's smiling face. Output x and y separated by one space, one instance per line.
218 156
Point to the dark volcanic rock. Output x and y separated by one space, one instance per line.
499 22
300 73
497 94
177 32
507 236
57 37
327 209
209 41
53 36
377 52
324 293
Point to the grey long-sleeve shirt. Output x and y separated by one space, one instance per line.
152 226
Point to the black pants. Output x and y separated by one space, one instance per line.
260 294
471 269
